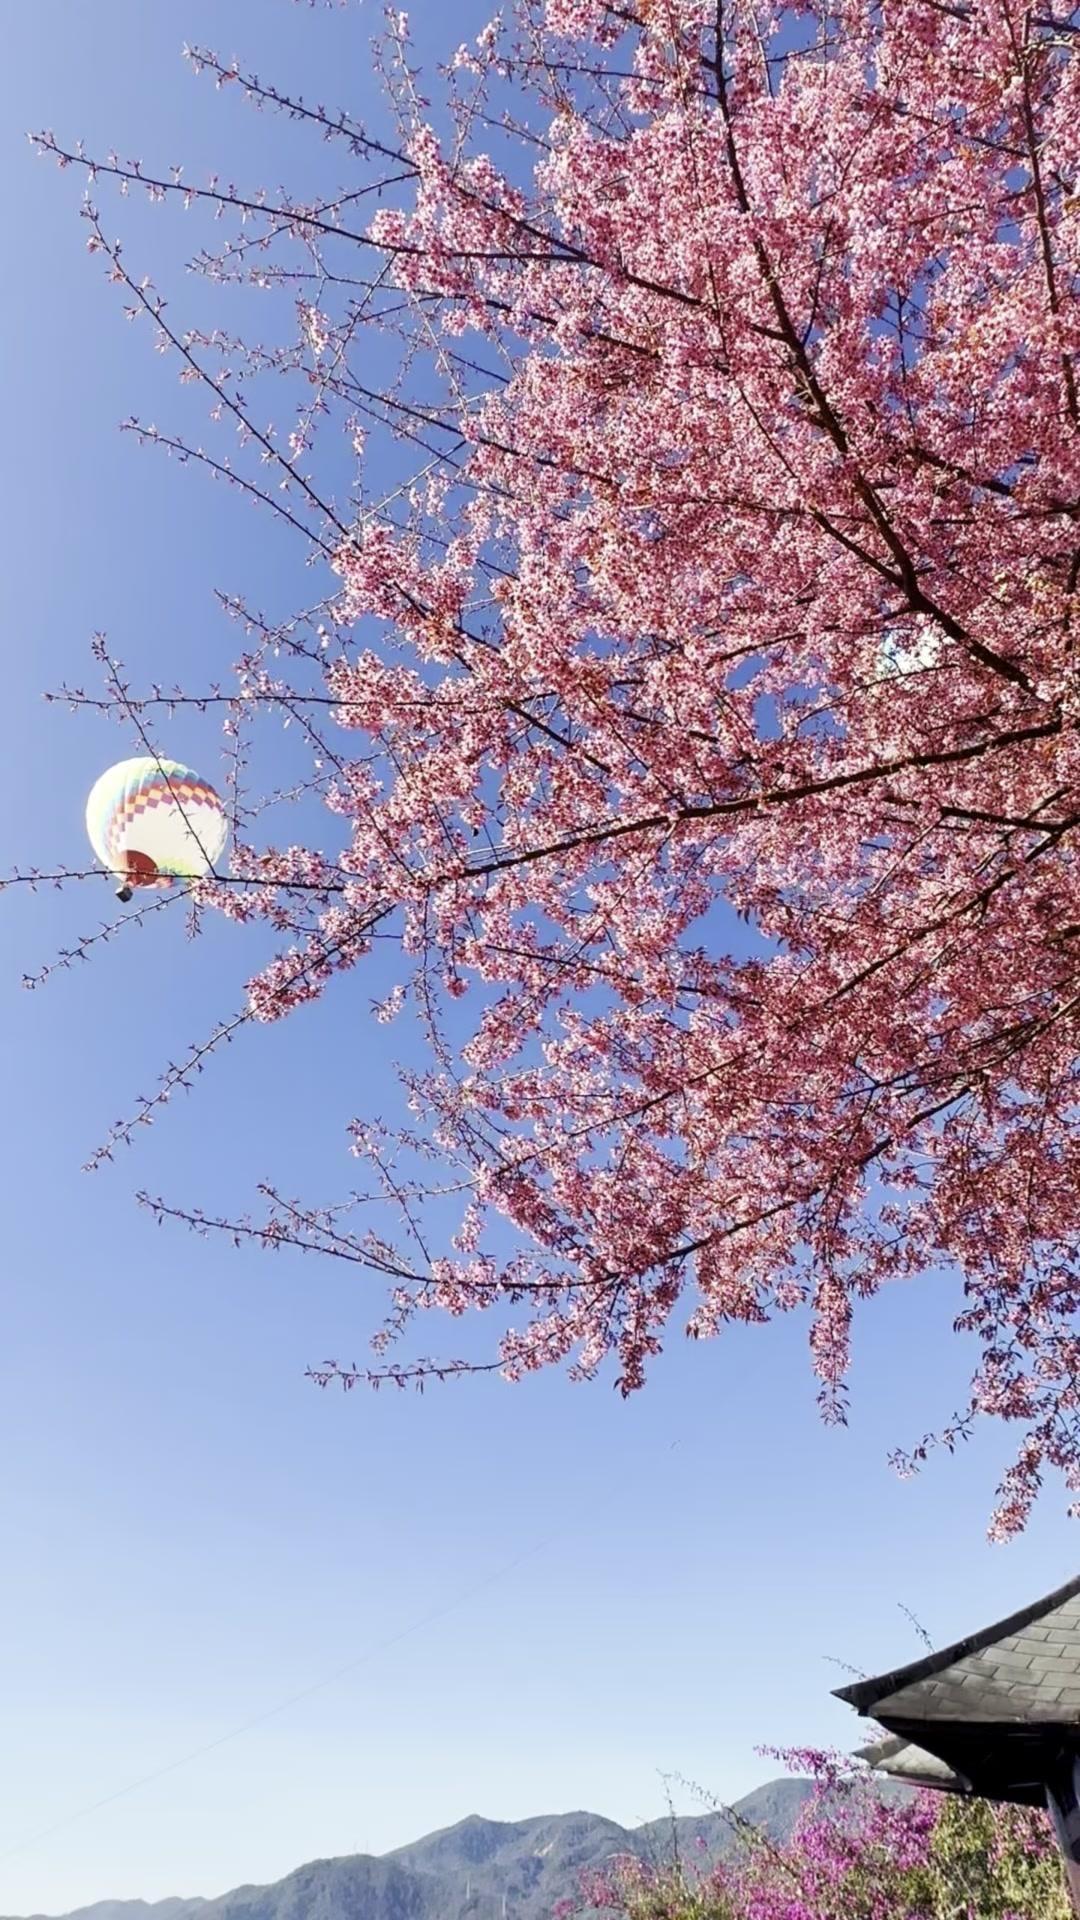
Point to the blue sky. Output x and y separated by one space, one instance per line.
546 1598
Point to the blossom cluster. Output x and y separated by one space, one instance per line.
703 716
857 1852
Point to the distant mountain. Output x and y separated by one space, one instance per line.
477 1870
174 1909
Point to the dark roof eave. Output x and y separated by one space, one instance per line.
865 1694
985 1757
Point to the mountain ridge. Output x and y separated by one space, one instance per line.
476 1869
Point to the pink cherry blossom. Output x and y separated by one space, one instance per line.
704 717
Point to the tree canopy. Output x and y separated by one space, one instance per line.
698 709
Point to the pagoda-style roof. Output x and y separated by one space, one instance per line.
913 1766
993 1710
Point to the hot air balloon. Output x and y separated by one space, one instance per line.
154 821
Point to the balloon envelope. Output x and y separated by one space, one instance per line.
155 821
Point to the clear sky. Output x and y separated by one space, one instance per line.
544 1598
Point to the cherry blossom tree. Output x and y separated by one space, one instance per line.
696 706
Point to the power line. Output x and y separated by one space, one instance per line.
292 1700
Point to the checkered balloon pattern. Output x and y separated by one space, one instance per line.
155 821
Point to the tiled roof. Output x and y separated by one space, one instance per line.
1026 1669
900 1760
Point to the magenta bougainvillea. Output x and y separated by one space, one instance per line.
695 698
853 1855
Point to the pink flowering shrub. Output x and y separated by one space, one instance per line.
855 1856
700 713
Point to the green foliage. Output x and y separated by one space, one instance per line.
854 1857
998 1861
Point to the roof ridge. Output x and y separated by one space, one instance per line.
866 1693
